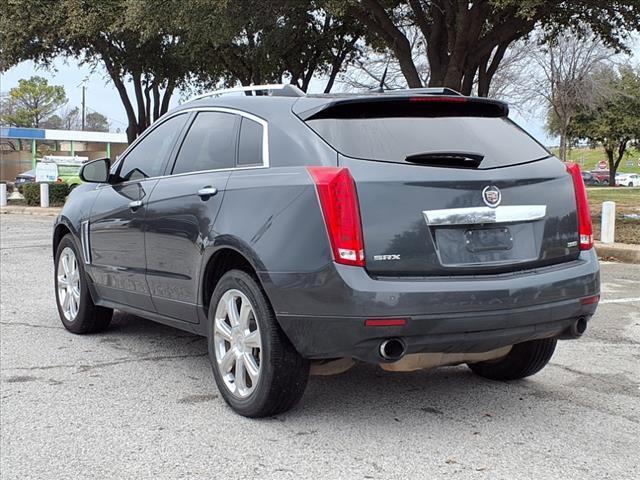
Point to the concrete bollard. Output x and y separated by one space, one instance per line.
3 194
44 195
608 226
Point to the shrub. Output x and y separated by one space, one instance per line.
57 193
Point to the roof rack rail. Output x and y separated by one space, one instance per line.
274 90
425 91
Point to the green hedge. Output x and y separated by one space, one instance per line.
57 193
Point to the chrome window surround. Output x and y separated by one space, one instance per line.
478 215
84 242
265 143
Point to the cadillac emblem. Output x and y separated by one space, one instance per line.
491 196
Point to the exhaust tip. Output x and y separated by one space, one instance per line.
392 349
580 326
576 329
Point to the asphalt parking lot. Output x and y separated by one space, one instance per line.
138 401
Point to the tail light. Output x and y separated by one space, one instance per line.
339 201
585 229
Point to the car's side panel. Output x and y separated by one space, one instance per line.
117 244
178 223
275 214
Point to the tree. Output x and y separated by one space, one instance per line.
266 42
614 121
67 119
564 77
97 122
467 41
160 46
32 101
111 34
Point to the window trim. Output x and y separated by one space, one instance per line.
261 121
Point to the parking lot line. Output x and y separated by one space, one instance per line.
621 300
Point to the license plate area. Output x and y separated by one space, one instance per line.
466 246
488 239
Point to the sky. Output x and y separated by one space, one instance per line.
101 95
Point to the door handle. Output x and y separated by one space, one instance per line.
136 204
207 192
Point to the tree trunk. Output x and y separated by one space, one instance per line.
563 144
612 166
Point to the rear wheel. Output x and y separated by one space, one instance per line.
523 360
77 311
258 371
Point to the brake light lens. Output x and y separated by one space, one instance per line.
339 202
585 229
434 99
385 322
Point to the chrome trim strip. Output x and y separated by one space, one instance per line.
84 241
261 121
478 215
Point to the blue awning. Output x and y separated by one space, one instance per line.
22 133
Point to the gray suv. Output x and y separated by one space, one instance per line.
302 233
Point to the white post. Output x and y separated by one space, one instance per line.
608 226
44 195
3 194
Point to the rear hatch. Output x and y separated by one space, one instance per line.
448 185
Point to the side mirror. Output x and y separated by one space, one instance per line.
95 171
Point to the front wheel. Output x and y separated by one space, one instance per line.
75 306
258 371
523 360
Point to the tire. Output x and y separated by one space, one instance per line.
233 346
523 360
71 283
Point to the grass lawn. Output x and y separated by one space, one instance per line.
588 158
627 201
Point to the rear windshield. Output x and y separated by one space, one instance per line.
492 141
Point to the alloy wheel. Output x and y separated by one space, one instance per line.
68 284
237 343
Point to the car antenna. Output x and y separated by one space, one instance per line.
384 76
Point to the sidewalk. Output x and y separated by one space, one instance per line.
37 211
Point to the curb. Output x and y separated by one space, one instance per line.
623 252
35 211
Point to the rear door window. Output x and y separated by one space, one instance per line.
210 143
492 141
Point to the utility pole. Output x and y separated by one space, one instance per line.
83 108
84 86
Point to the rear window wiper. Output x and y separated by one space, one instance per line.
446 159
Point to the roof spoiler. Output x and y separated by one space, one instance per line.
405 103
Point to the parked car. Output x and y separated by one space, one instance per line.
590 179
25 177
628 179
601 176
297 233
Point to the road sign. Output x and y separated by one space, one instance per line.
46 172
602 165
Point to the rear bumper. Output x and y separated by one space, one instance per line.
323 313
